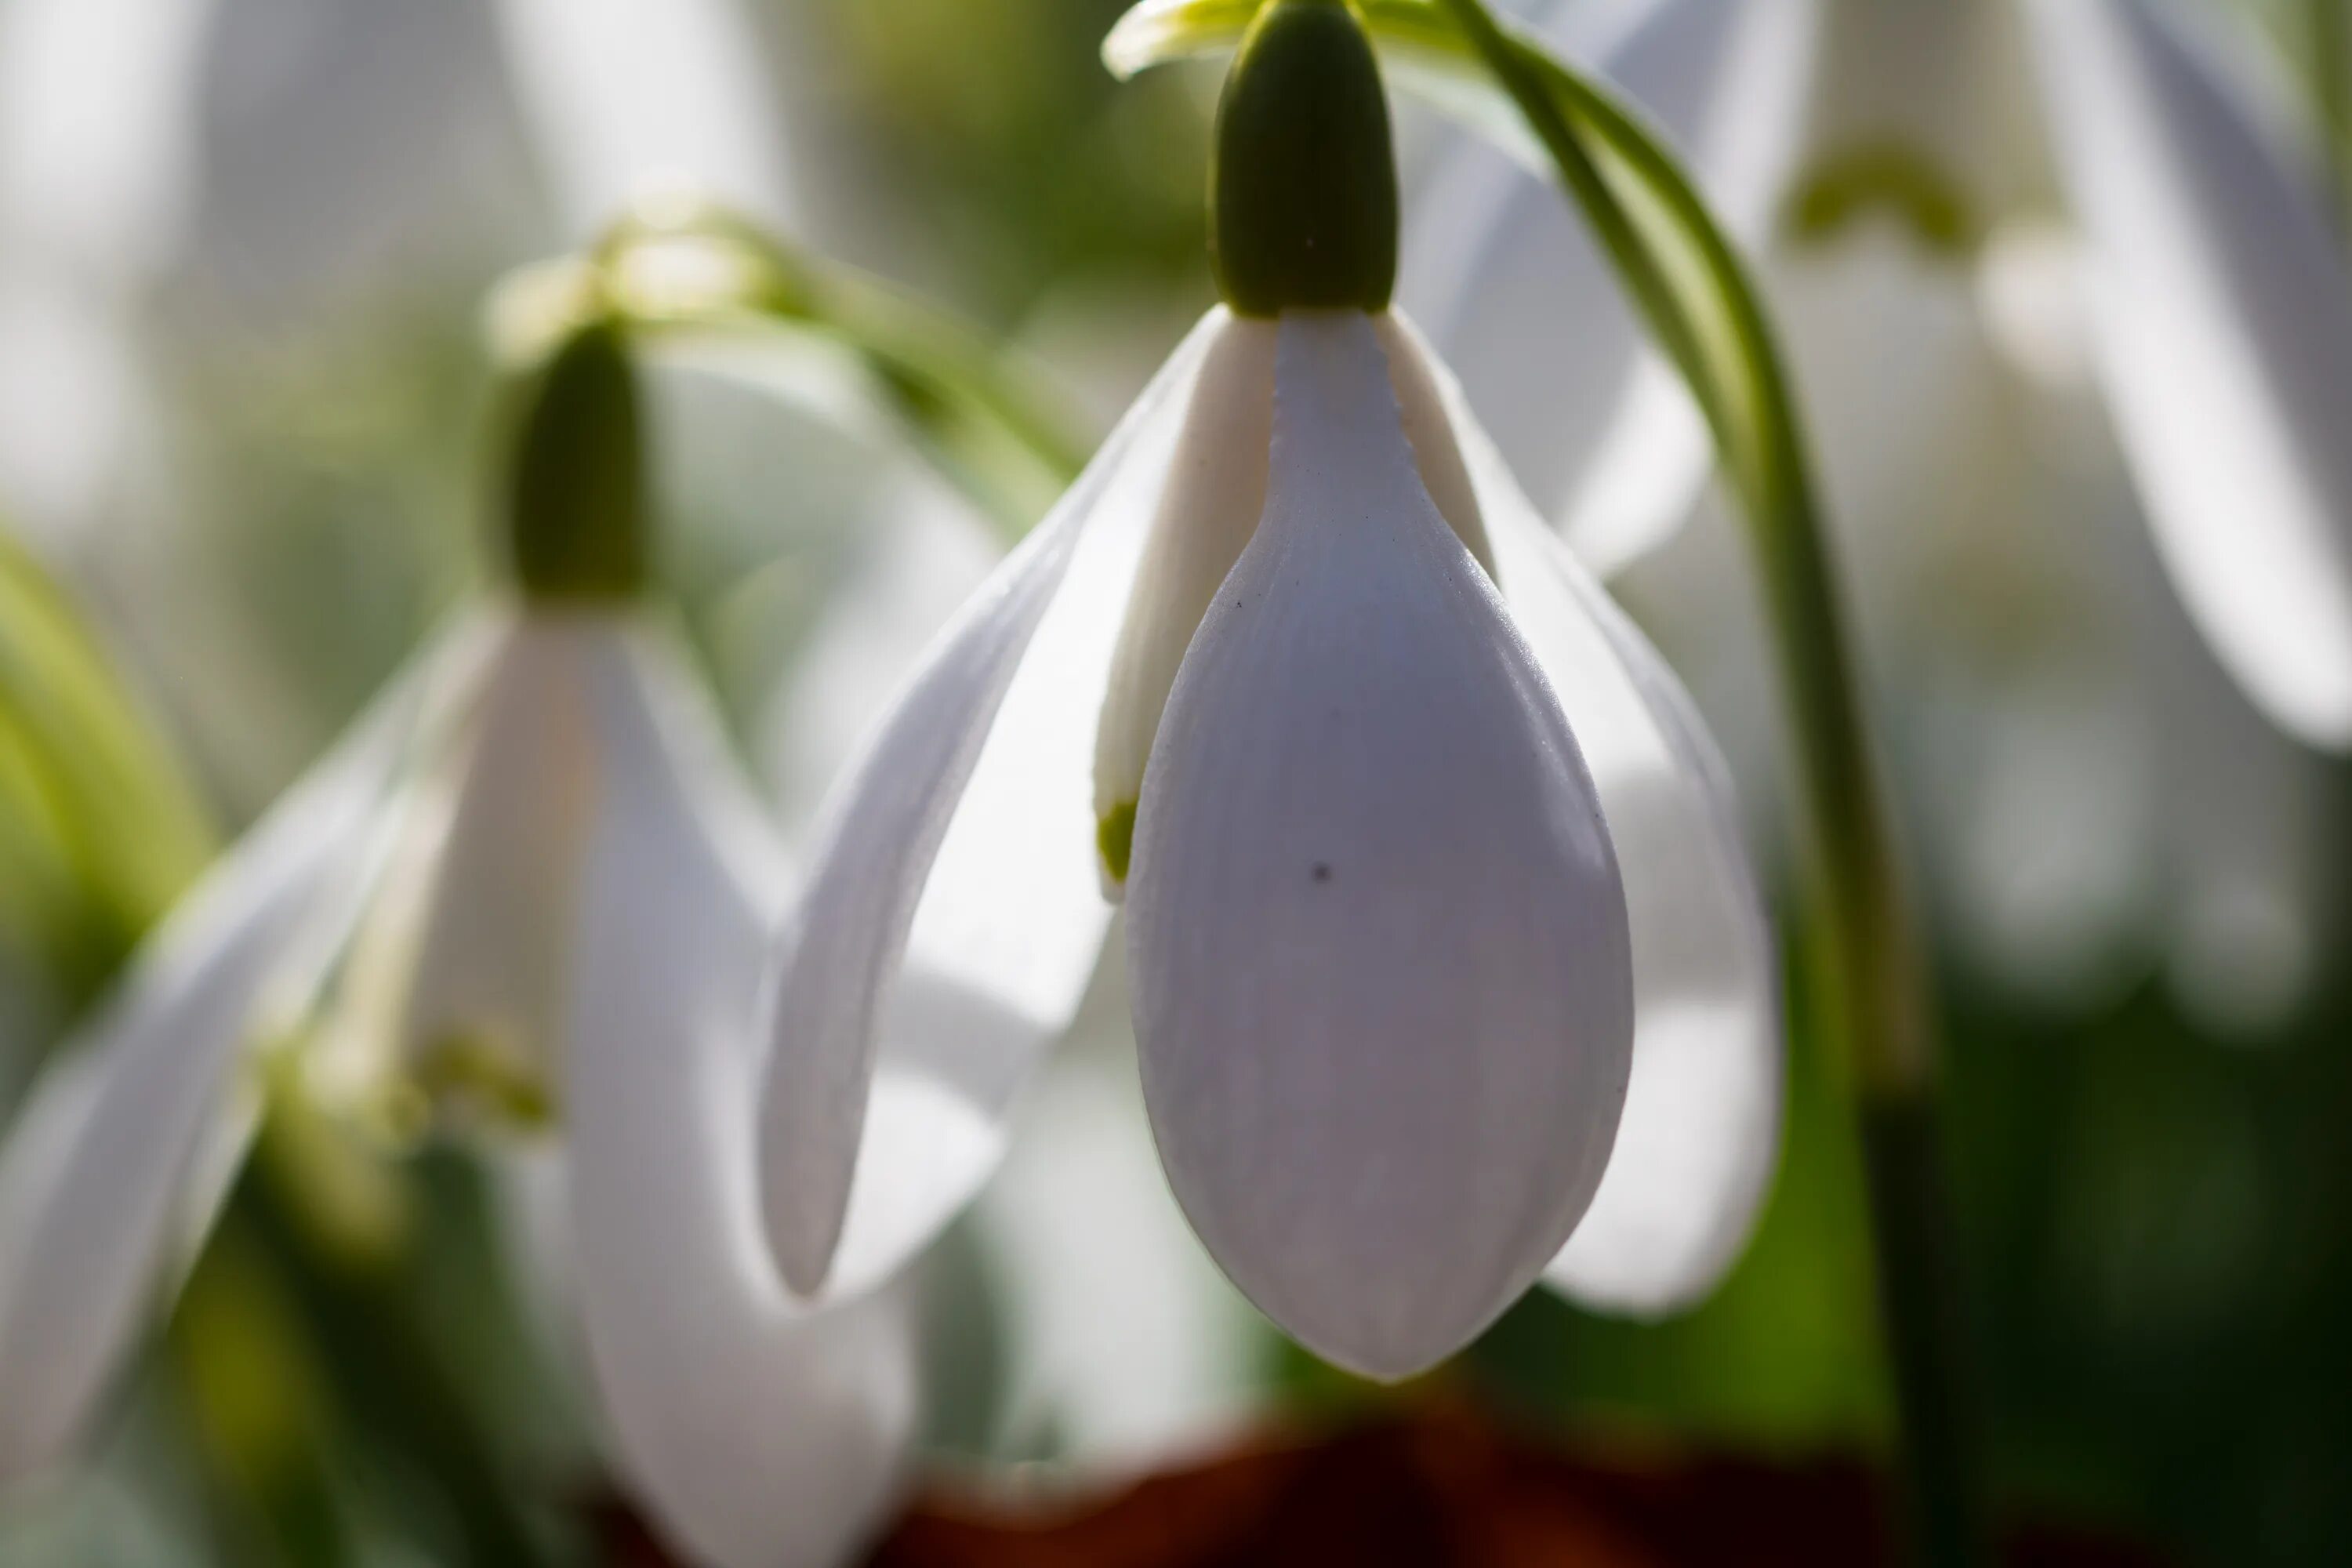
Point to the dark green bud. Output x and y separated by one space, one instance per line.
1303 187
576 520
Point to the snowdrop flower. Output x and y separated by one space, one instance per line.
1423 855
2219 326
530 884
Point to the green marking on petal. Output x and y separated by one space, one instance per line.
1841 190
1115 840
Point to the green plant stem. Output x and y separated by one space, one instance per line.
952 387
2327 32
1877 987
387 1368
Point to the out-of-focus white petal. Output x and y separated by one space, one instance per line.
1128 1346
1504 270
766 1434
633 96
1647 473
72 403
1383 986
138 1122
965 842
489 974
2224 335
99 130
1701 1130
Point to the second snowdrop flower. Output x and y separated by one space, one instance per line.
1435 896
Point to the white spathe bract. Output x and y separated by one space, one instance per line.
2221 330
533 877
1386 984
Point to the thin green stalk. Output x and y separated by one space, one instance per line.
388 1370
2327 32
1877 984
956 392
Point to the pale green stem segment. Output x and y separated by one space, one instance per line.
2327 32
1706 313
978 419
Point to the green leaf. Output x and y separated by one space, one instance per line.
91 805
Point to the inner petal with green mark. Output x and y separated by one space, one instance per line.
1215 493
1846 186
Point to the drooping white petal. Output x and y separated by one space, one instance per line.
1701 1131
766 1434
636 96
119 1156
1378 943
490 971
1503 268
2222 331
964 842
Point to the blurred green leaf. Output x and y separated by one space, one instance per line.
95 817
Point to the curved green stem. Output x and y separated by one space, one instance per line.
981 422
2327 34
1689 283
98 827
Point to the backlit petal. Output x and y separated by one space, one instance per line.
764 1433
488 977
1378 943
1696 1151
1207 511
2222 331
963 843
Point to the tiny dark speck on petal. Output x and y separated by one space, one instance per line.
1322 872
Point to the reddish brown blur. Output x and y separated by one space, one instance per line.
1437 1485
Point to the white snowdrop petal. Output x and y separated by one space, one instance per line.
953 913
1206 513
763 1433
488 977
1701 1131
140 1117
632 97
2223 332
1505 272
1377 938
